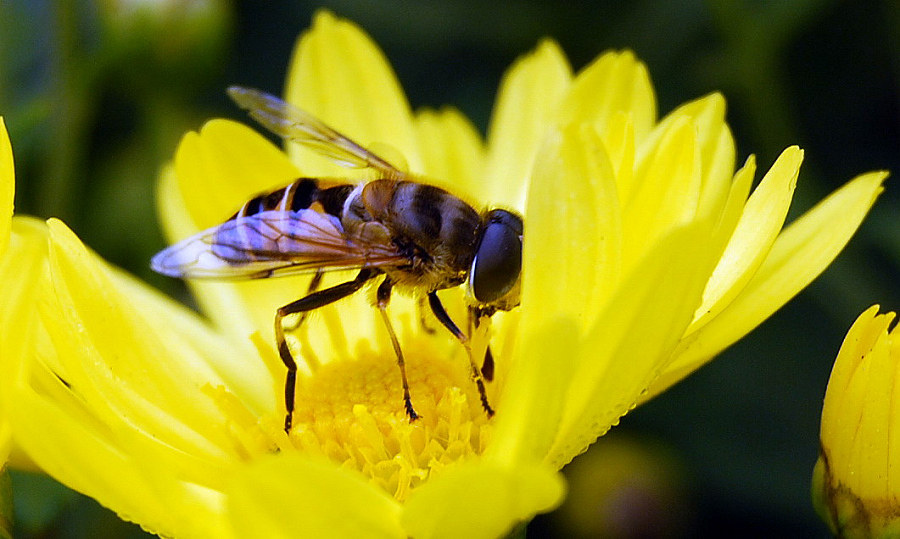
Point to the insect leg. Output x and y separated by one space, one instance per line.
313 286
304 305
438 308
383 297
487 366
420 307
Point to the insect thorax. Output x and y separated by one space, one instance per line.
436 231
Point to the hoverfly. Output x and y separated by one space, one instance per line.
417 237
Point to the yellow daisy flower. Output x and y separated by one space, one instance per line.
644 256
855 482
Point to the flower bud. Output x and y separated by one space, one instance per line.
856 481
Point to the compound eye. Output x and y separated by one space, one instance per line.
498 261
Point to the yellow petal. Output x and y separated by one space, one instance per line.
527 102
616 82
77 454
291 495
716 146
7 185
759 225
733 207
22 272
220 168
240 369
339 74
232 311
111 401
481 500
572 209
618 137
633 338
667 191
532 400
452 151
225 153
799 255
134 362
23 268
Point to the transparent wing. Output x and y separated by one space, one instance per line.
272 243
294 124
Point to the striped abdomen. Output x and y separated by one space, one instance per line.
297 196
269 225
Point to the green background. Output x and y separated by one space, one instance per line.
95 105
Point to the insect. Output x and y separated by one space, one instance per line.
415 237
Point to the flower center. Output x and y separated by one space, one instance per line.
352 412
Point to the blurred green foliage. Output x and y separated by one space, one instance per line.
96 95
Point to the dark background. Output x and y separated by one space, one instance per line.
95 103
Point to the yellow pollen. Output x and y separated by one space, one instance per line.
352 413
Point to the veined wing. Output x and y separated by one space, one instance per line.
272 243
294 124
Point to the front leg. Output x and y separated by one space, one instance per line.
304 305
438 308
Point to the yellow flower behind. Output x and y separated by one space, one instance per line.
855 482
644 256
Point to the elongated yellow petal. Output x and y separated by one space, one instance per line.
618 136
573 244
85 457
667 191
7 185
122 359
215 171
339 74
714 143
733 207
293 495
760 223
452 151
798 256
481 500
532 406
716 147
22 272
616 82
55 416
632 339
23 268
240 369
527 102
